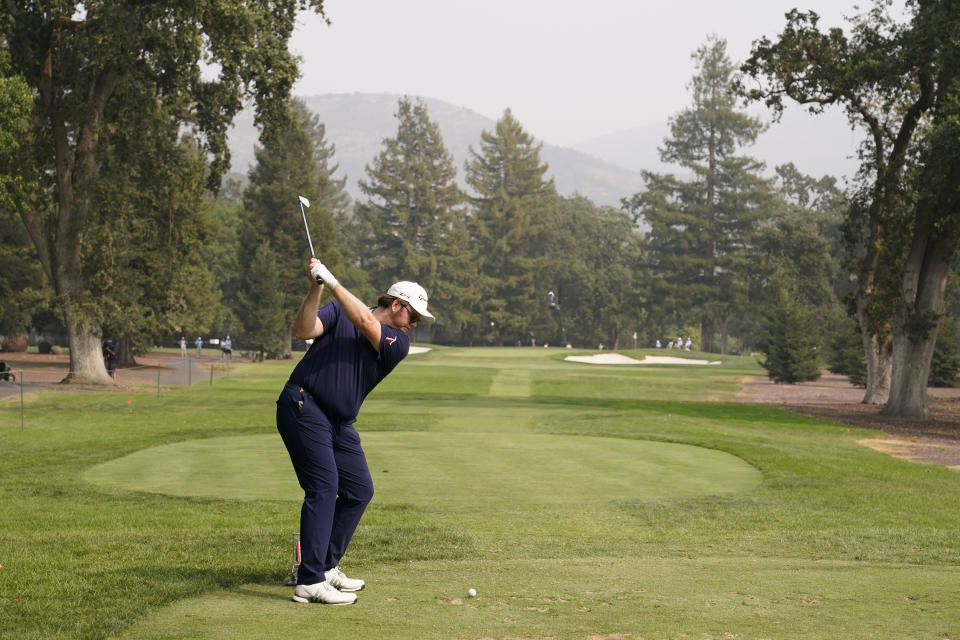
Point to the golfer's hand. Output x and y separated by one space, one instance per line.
320 273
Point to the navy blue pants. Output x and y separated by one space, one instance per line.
334 476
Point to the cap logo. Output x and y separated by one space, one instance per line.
390 341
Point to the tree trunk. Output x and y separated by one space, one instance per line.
724 335
911 369
125 352
706 333
86 350
915 328
877 352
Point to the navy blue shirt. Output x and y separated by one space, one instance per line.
341 366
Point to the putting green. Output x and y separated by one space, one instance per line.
444 469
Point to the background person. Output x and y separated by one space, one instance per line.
354 348
110 358
226 348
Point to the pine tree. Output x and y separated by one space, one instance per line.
511 203
413 220
795 242
261 305
333 195
945 364
792 340
590 259
286 168
698 224
145 236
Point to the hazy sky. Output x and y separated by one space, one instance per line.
569 71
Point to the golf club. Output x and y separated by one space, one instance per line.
304 201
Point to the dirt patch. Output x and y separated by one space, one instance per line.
45 371
48 368
935 440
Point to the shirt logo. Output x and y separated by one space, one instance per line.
390 341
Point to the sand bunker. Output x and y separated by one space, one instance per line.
616 358
419 349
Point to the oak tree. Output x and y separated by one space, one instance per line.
92 66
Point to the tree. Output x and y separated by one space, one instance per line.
145 234
414 217
223 257
23 289
510 206
898 81
333 191
15 133
698 225
794 243
945 364
791 342
844 351
22 285
590 257
262 305
91 74
272 223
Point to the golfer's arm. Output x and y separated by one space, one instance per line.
307 325
359 314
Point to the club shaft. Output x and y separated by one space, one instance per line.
307 228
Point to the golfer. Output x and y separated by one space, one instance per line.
354 348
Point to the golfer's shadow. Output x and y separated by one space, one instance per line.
263 591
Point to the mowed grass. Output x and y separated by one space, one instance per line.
581 501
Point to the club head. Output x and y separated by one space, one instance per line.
304 201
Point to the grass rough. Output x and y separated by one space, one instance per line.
832 540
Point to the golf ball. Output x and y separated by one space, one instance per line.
471 592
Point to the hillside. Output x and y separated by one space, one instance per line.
818 145
358 123
604 169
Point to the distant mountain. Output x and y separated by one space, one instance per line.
818 145
604 169
358 123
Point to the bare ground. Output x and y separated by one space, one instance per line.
935 440
45 371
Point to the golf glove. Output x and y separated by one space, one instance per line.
322 275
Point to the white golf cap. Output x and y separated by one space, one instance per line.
413 293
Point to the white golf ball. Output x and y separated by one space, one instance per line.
471 592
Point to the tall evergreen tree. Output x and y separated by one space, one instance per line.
510 206
285 169
414 216
698 225
799 241
333 190
590 261
222 254
262 304
145 241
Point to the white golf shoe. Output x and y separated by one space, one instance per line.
323 593
340 580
